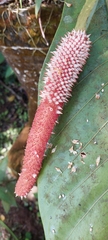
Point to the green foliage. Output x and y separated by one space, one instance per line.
86 15
37 6
73 185
7 197
8 229
6 187
28 236
8 70
1 58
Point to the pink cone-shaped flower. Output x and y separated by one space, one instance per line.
65 65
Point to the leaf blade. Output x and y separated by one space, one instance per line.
73 201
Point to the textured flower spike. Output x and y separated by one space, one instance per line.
62 72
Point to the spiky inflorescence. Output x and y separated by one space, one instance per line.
65 65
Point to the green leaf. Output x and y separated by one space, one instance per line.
3 164
37 6
6 187
1 58
73 201
9 72
86 15
2 176
6 206
7 196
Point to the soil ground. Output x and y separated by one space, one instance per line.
23 220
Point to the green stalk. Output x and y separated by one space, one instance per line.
20 3
8 229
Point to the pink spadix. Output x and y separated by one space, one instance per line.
61 74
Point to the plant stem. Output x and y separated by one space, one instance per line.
8 229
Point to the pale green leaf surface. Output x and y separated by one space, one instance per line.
37 6
74 205
6 206
6 187
9 72
86 14
3 164
6 194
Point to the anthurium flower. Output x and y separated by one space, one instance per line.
61 74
